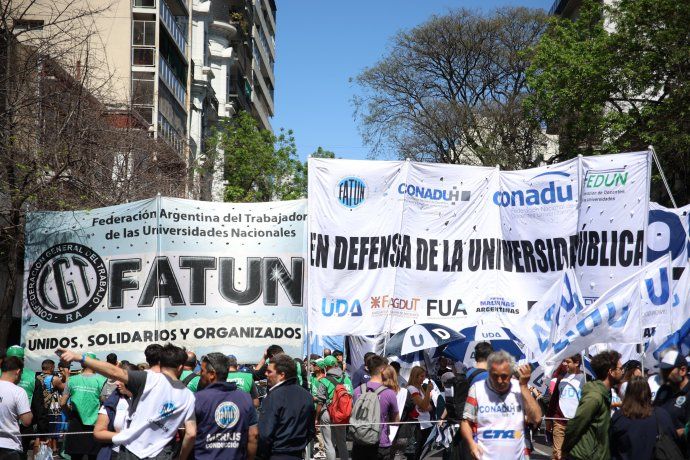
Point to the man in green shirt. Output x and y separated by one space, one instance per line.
243 380
83 392
28 379
188 376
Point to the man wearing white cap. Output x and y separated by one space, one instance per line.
673 395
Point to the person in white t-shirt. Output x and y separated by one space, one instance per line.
160 405
496 411
14 408
564 400
420 390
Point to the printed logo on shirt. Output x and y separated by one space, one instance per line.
227 414
680 400
502 434
499 409
167 409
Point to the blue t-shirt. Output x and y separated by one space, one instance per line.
223 417
480 375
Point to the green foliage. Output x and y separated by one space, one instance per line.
320 152
616 79
259 165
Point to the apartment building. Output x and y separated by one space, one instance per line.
180 64
233 56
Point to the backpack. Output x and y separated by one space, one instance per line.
366 416
51 398
461 387
665 448
340 407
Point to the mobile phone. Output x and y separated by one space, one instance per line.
59 353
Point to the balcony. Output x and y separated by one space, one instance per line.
167 132
173 29
168 77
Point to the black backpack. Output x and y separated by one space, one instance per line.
665 448
461 387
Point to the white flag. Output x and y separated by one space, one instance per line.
538 328
616 316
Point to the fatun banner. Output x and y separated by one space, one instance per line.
392 243
209 276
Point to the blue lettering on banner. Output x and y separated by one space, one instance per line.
665 288
502 434
340 307
434 194
550 194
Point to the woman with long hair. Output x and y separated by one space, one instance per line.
636 425
399 435
421 395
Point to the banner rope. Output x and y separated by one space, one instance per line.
663 176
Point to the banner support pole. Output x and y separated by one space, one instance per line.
663 176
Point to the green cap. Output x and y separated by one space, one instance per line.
320 363
330 361
15 350
90 355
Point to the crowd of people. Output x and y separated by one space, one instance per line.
282 408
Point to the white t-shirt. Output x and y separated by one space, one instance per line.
163 406
499 418
424 417
13 403
121 412
654 384
569 392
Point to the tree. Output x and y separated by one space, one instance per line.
451 91
259 165
61 147
320 152
616 79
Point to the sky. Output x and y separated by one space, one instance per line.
322 44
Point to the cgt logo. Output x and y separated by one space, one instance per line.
550 194
502 434
607 178
451 196
351 192
340 307
66 283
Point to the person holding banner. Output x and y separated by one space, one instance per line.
564 401
587 433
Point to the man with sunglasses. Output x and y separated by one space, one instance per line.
587 434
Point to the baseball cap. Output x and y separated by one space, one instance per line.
232 360
330 361
90 355
16 351
320 363
672 359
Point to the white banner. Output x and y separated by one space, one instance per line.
209 276
392 243
669 231
613 216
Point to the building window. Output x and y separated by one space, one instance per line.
22 25
144 43
143 56
142 88
144 3
144 33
